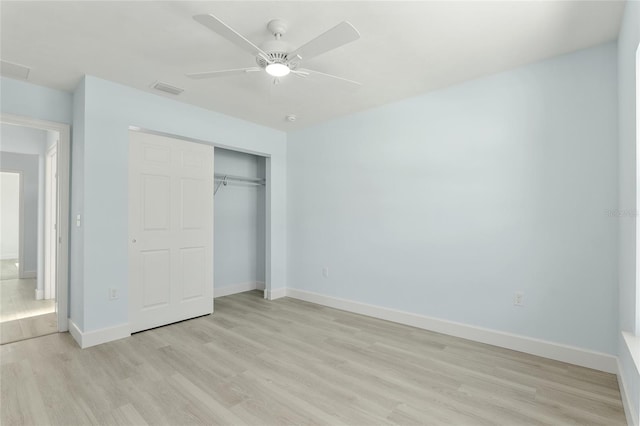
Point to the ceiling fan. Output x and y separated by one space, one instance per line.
276 57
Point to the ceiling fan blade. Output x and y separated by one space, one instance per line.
222 73
337 36
312 73
299 73
219 27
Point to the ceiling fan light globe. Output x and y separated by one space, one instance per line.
277 70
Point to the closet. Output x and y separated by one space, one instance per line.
239 222
183 251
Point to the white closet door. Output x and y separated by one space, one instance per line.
171 230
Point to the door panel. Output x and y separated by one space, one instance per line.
156 193
192 204
193 277
156 278
157 154
191 160
171 230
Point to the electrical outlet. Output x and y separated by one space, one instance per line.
325 271
113 293
518 298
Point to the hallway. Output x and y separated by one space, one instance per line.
21 315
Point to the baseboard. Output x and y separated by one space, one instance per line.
28 274
565 353
75 332
633 348
39 294
237 288
629 411
275 293
97 337
10 256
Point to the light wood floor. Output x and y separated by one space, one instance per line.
26 328
18 300
21 315
290 362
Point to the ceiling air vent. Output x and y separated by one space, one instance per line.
11 70
164 87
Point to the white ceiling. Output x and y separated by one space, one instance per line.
406 48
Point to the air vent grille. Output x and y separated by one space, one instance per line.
277 57
11 70
164 87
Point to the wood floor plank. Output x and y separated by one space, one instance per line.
127 415
290 362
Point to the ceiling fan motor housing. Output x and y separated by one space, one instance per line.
276 50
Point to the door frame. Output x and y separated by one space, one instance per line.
50 220
63 168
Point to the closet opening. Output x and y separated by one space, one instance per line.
239 222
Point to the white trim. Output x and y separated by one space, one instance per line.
276 293
629 411
75 332
21 271
39 294
97 337
637 194
237 288
10 256
50 245
64 152
633 346
28 274
543 348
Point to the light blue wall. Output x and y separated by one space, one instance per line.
628 41
627 47
446 204
109 110
28 100
239 246
76 248
23 140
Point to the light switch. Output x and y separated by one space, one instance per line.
78 221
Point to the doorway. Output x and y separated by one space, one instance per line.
34 227
9 224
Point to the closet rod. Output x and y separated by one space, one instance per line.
223 177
